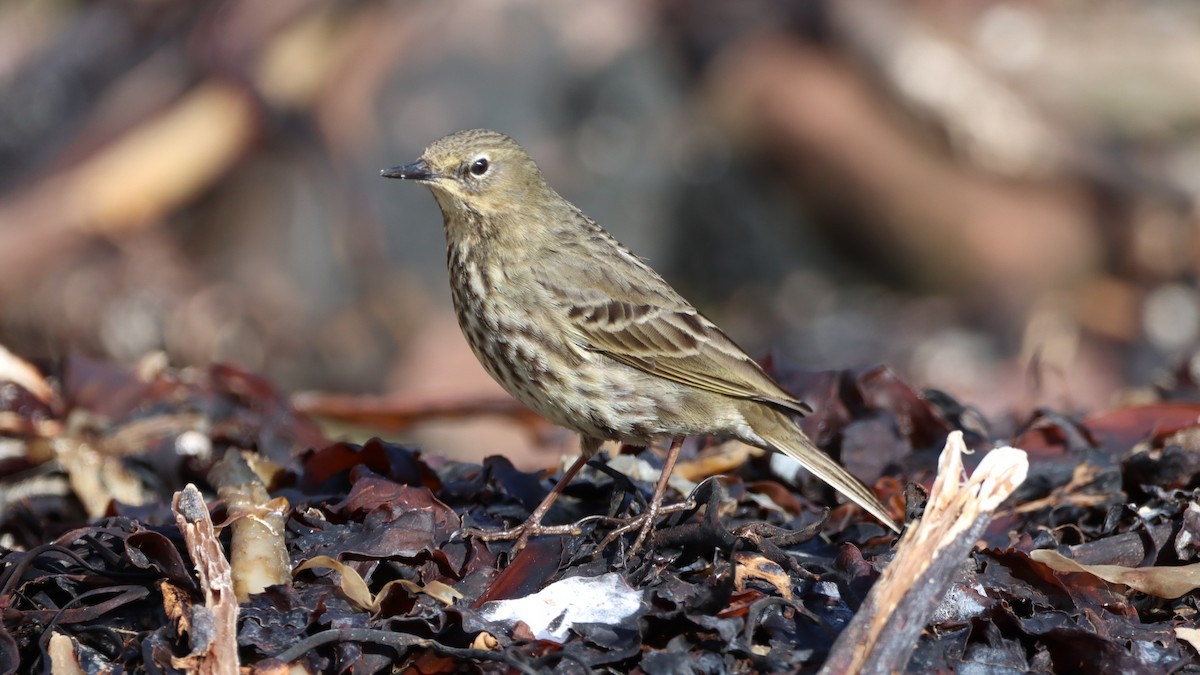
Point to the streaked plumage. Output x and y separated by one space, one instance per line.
584 332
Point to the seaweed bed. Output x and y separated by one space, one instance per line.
749 574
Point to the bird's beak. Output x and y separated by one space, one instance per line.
418 171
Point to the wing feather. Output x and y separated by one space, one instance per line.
623 309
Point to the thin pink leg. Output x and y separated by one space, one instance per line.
659 490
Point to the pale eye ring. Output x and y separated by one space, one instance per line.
479 166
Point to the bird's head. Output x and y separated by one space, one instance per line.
479 170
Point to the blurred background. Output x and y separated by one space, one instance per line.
998 199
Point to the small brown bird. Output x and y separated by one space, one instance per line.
582 331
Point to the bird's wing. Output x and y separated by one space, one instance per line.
622 308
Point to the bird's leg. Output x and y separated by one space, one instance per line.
660 489
533 525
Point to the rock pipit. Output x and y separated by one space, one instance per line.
583 332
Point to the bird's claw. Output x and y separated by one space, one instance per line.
523 532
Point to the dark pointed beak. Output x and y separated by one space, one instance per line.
418 171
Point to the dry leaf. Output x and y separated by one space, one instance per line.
1163 582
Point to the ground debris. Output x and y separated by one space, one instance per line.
1089 566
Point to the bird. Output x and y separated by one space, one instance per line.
585 333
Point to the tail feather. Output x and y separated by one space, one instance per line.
781 434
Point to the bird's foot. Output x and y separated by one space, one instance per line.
649 516
644 524
523 532
533 527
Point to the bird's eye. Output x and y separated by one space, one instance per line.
479 166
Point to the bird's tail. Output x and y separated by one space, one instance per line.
782 434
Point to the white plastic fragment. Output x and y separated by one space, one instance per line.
551 612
